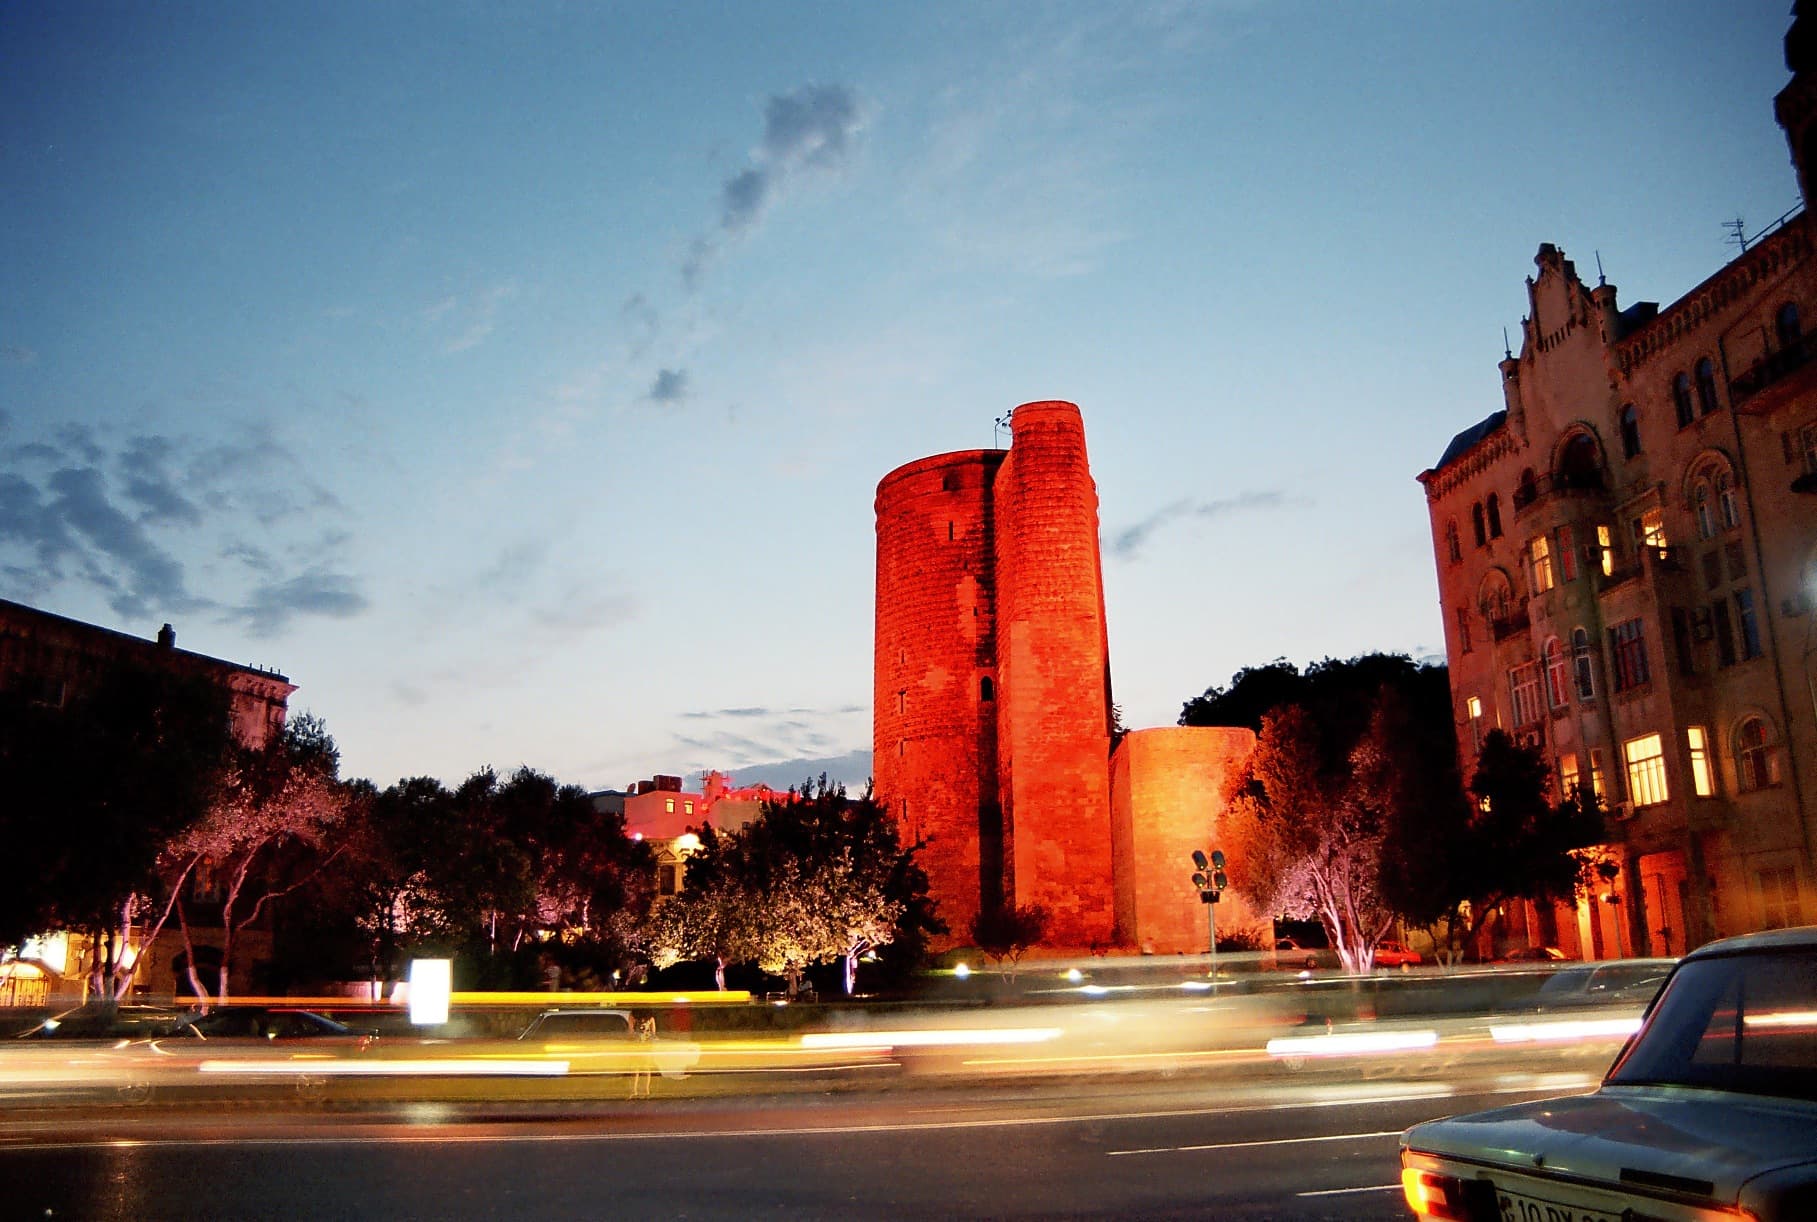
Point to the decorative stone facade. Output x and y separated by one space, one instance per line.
1627 560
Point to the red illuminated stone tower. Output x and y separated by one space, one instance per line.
992 681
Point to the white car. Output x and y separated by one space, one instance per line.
1710 1111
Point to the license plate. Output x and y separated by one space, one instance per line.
1517 1207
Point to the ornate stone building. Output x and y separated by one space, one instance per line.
992 714
1627 560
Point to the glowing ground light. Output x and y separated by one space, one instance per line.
962 970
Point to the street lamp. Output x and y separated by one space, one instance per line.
1209 877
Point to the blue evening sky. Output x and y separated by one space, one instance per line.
517 378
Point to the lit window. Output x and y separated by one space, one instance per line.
687 808
1756 760
1646 760
1629 648
1698 741
1582 665
1605 549
1539 557
1474 706
1779 906
1558 674
1597 785
1523 686
668 806
1567 775
1650 530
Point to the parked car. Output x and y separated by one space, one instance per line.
1393 954
1290 955
1534 954
100 1022
1709 1111
1613 982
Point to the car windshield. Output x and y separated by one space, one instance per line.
1742 1023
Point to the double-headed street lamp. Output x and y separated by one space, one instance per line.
1209 877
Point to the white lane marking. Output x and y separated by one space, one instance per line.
1256 1145
1344 1192
428 1137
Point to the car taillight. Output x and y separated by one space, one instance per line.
1434 1196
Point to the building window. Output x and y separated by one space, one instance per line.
1476 525
1567 555
1697 742
1597 785
1605 550
668 806
1726 505
1779 906
1463 629
1650 531
1706 386
1582 665
1453 549
902 701
1558 674
1492 508
987 690
1539 564
1567 776
687 808
1628 647
1523 686
1681 400
1786 325
1756 759
1630 431
1725 633
1646 760
1473 711
1681 642
1702 512
1748 622
668 879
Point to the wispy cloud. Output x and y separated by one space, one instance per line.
466 321
1129 541
671 386
315 592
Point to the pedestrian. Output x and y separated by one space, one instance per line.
643 1058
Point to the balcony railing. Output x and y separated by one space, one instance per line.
1771 368
1656 559
1562 483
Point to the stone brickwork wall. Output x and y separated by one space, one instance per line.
1167 799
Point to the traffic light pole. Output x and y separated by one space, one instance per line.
1210 880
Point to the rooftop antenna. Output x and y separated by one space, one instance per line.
1738 233
1601 280
1507 352
1002 425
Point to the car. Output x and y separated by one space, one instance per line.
1534 954
572 1029
1710 1110
1291 955
269 1023
95 1021
1394 954
1613 982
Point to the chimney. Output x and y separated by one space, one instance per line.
167 637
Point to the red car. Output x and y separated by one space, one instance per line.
1393 954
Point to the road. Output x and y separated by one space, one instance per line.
1322 1148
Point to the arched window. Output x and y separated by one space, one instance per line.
1558 674
1493 508
1580 463
1583 666
1453 551
1495 596
1630 431
1681 400
1706 386
987 690
1786 325
1476 524
1701 510
1756 756
1527 490
1726 507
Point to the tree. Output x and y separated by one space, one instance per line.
1006 932
96 785
269 831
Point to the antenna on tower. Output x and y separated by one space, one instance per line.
1738 233
1507 352
1601 280
1001 425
